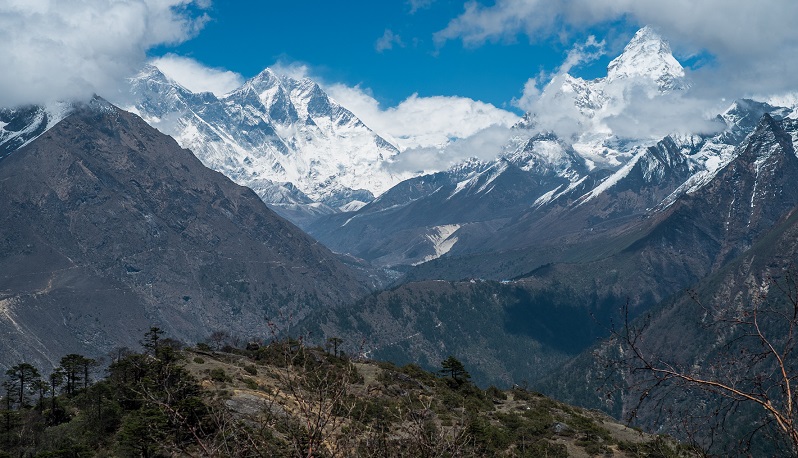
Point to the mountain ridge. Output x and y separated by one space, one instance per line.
110 227
281 136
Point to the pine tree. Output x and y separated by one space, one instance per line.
151 340
87 364
454 369
334 342
72 366
40 387
22 377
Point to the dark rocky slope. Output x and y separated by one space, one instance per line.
108 227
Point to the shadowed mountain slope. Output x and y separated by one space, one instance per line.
110 227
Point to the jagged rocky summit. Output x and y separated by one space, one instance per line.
285 138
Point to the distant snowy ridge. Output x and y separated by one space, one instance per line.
20 126
308 156
579 109
646 63
300 149
281 136
592 147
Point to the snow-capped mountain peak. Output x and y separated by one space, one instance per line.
264 81
157 94
272 130
266 89
579 110
154 74
648 55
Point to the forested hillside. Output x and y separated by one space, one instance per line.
287 399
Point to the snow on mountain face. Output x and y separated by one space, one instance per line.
710 155
594 150
442 239
547 154
579 110
543 156
702 157
646 58
271 131
588 96
647 55
20 126
574 139
647 63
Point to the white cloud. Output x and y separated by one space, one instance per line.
196 77
749 40
71 49
555 110
433 133
295 70
387 41
580 53
530 94
416 5
484 145
419 122
654 117
632 108
583 53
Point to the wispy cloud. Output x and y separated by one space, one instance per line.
387 41
292 69
530 93
197 77
633 108
416 5
67 49
434 133
415 123
748 40
583 53
644 116
485 144
580 54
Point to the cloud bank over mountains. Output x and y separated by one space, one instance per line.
419 126
416 122
72 49
419 122
747 40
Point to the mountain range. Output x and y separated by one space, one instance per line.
299 150
582 185
518 265
109 227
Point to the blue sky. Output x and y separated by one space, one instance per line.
467 60
387 46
